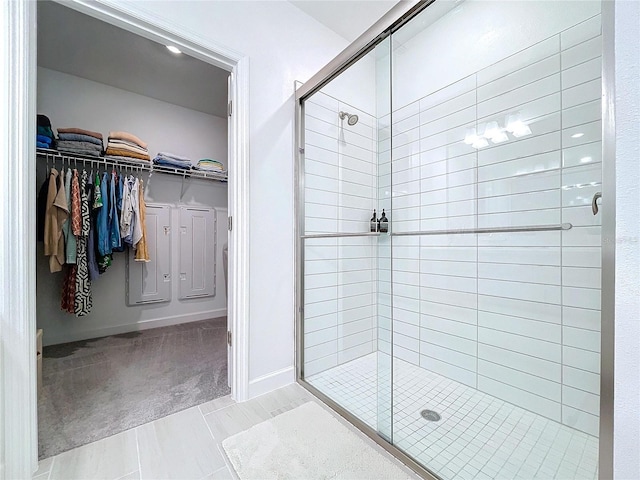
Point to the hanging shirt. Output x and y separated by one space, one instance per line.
142 254
120 194
97 194
91 239
70 238
114 222
135 202
56 214
104 244
127 212
75 214
82 299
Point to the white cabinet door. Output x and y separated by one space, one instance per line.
150 282
197 252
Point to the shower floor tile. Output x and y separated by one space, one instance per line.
478 436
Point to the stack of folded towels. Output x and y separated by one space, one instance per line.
172 160
44 137
80 141
127 145
210 165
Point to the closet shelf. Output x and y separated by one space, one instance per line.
55 155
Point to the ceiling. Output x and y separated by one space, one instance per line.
77 44
80 45
348 18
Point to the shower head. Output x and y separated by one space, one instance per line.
351 119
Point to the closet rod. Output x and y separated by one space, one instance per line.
104 161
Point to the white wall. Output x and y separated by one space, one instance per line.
627 303
71 101
283 45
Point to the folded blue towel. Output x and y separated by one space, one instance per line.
42 145
79 137
44 139
173 156
171 163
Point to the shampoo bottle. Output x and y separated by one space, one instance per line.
373 224
384 223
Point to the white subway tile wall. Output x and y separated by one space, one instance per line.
340 273
515 315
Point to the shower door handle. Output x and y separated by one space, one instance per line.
594 202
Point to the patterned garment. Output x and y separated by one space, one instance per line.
76 215
97 194
69 288
82 300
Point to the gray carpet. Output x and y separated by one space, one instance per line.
96 388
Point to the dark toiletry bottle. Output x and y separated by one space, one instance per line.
373 224
384 223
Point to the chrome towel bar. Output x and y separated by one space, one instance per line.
460 231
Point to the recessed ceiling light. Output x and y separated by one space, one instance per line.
577 135
173 49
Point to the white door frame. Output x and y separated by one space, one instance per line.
18 403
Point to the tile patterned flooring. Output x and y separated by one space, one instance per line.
185 445
478 437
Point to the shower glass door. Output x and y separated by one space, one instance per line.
468 334
346 279
496 159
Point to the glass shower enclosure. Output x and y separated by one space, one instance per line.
465 333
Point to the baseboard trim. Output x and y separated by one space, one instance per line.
53 339
271 381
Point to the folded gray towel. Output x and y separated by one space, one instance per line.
76 145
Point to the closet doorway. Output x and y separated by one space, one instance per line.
142 144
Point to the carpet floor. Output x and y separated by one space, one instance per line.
96 388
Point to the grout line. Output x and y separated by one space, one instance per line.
53 460
135 431
126 474
227 461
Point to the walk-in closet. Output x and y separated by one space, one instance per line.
132 170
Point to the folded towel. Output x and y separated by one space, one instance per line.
209 164
174 156
125 146
79 137
46 131
125 153
81 145
129 137
81 151
210 170
42 145
119 142
44 139
81 132
167 162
